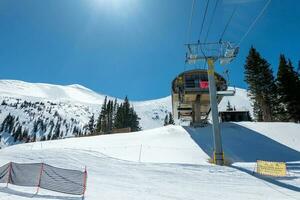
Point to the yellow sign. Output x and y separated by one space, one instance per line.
271 168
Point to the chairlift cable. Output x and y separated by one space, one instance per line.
209 26
190 22
228 22
255 20
211 20
203 20
189 27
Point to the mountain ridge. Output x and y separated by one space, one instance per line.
41 108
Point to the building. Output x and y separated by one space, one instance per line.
234 116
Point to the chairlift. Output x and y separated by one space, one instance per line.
229 53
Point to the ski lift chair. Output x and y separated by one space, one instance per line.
229 53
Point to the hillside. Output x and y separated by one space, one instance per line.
42 109
168 163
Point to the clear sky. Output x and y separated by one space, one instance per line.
132 47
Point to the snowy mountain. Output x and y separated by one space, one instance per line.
39 110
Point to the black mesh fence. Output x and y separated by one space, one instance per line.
4 173
44 176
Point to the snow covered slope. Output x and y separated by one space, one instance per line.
165 163
41 109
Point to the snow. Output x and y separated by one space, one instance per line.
80 103
74 92
157 163
163 163
240 101
71 106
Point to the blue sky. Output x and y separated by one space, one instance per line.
132 47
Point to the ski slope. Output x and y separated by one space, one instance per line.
169 163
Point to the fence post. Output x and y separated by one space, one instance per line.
84 182
9 174
140 155
40 177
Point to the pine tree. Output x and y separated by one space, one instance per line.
288 84
229 107
166 121
25 137
262 87
49 136
91 125
102 119
171 119
109 116
134 120
126 117
119 121
56 132
33 139
18 134
126 113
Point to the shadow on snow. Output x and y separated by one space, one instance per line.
241 144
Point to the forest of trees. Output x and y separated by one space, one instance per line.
114 116
274 98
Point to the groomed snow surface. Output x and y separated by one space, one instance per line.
169 163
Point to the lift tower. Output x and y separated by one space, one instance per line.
225 52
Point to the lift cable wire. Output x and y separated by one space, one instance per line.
228 22
200 33
190 27
190 22
211 20
203 20
210 24
254 22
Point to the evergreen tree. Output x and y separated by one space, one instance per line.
18 134
119 121
171 119
56 132
288 84
25 136
109 117
126 117
262 87
134 120
102 120
91 125
229 107
35 127
166 121
126 113
49 136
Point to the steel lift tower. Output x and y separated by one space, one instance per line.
224 52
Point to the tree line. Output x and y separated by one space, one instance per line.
275 98
114 116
